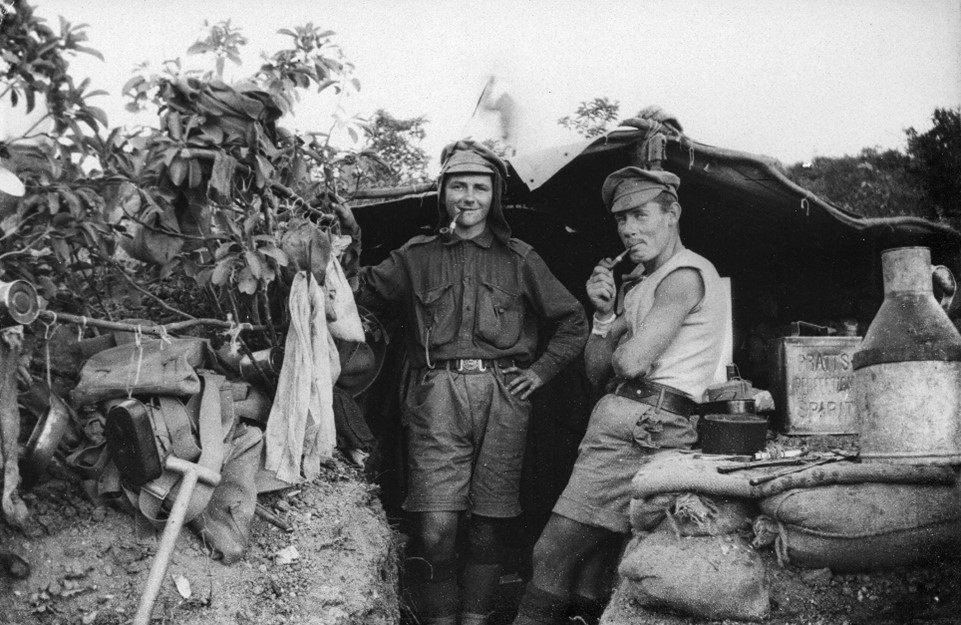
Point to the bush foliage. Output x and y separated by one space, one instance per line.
202 200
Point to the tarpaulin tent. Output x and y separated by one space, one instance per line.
773 238
791 255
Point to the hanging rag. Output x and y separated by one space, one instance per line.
301 422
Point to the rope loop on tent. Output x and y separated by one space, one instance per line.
690 164
806 207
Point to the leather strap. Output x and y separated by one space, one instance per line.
215 422
180 437
658 395
474 365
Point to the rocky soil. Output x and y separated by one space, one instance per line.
336 566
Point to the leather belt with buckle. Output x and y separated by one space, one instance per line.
657 395
474 365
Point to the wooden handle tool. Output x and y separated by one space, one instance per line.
192 472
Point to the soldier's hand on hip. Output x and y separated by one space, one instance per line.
601 289
524 382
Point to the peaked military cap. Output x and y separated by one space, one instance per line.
632 186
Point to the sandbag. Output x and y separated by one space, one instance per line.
711 577
671 471
689 514
864 527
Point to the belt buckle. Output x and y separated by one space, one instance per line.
471 364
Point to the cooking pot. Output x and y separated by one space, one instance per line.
734 434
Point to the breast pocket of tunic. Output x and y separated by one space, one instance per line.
499 316
436 315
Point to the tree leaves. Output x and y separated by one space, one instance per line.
222 174
195 173
276 253
264 170
246 282
177 171
592 117
204 196
222 270
257 265
936 156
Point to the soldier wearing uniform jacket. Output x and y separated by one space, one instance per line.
472 298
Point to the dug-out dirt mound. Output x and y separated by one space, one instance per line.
336 566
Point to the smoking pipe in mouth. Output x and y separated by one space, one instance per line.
620 257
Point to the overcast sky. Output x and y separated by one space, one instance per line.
789 79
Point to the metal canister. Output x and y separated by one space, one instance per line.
811 381
269 361
19 304
907 372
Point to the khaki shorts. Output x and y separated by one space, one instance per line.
466 436
622 435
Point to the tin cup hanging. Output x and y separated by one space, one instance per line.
19 304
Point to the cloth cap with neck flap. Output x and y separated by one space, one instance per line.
630 187
470 157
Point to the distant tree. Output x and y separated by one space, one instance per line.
394 143
499 148
936 161
223 41
874 183
592 117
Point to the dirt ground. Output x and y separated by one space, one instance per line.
89 563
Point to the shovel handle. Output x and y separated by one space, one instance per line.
175 521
